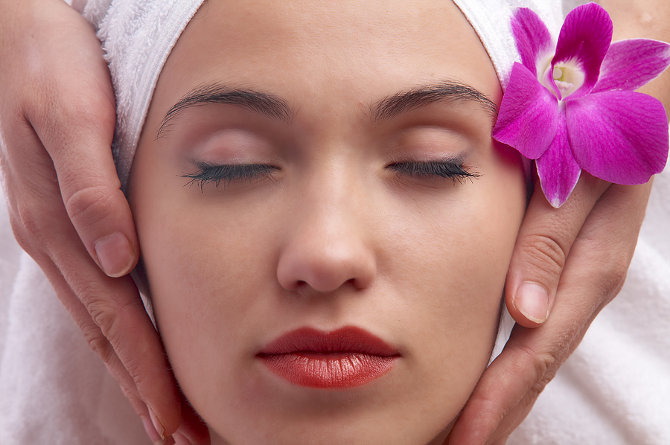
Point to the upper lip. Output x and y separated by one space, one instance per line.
348 339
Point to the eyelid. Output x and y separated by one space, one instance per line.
442 168
228 173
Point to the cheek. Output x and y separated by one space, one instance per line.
201 276
456 270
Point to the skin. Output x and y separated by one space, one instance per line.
63 197
334 237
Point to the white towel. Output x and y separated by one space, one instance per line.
491 20
137 37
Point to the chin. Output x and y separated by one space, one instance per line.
336 430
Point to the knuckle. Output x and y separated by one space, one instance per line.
98 342
87 110
107 314
545 253
545 364
89 205
104 316
22 238
613 279
28 225
64 102
107 317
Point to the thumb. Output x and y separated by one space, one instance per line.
74 119
545 238
90 188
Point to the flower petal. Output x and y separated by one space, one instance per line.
531 36
585 38
618 136
557 168
629 64
528 114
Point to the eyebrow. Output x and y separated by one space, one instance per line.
278 108
263 103
405 101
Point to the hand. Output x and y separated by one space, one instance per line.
57 117
579 254
582 267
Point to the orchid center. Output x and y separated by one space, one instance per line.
568 77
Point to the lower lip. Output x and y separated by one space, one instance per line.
328 370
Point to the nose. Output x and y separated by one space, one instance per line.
328 247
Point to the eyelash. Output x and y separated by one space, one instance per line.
228 173
452 169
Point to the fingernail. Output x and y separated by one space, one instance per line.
151 431
532 300
114 254
181 439
158 426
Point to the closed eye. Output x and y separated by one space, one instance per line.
452 169
228 173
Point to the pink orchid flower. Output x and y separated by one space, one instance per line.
571 106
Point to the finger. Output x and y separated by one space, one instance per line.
195 430
109 311
593 275
114 306
75 124
94 336
122 335
101 345
542 246
510 386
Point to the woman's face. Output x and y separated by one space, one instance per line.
324 220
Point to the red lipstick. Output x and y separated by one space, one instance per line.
343 358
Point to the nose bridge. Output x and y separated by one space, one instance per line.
329 245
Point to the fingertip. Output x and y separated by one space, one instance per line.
529 304
115 255
150 429
157 425
532 300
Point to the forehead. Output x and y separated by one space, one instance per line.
323 50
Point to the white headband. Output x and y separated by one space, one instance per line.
138 36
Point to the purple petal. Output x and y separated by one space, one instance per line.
528 114
618 136
585 38
532 37
557 168
629 64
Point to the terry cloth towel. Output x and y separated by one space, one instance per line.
137 37
491 21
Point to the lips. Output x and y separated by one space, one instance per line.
344 358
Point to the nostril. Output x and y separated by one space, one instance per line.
355 283
312 262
